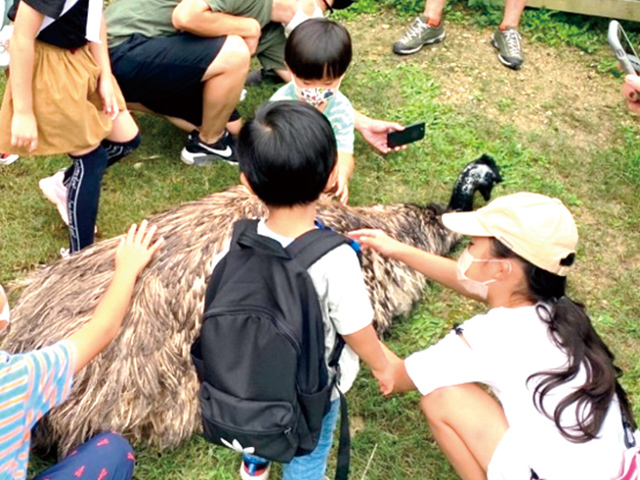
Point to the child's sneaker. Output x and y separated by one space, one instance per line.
252 469
8 158
53 188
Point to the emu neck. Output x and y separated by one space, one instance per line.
291 222
461 197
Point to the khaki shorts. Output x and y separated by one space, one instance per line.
66 103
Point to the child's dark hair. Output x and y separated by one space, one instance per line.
287 152
573 332
318 48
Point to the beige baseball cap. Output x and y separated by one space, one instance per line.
538 228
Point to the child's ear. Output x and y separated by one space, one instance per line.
245 183
333 179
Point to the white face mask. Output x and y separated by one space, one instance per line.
315 96
4 315
478 289
300 17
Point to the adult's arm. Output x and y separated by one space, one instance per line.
375 131
24 130
196 17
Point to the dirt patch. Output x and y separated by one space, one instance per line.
558 89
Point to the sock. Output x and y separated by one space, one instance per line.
432 22
116 151
84 196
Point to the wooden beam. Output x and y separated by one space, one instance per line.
621 9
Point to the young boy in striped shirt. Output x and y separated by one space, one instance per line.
32 383
318 53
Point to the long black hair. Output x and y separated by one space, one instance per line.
572 331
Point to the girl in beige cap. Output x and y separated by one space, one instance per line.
561 413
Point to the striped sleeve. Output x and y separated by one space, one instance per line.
286 92
50 377
342 120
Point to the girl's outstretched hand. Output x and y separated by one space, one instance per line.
135 250
377 240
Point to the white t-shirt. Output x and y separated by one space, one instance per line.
343 298
506 346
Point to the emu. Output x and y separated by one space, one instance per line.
144 384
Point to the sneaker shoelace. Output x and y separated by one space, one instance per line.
512 38
415 31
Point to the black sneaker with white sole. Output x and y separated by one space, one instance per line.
196 152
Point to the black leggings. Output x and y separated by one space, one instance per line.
83 181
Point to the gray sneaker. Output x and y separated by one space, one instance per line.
419 34
509 45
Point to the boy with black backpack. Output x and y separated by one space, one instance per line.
278 305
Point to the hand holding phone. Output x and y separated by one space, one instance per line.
412 133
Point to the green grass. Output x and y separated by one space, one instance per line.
555 155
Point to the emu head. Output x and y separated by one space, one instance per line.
480 175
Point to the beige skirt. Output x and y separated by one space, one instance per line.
66 102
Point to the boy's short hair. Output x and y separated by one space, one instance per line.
318 48
287 152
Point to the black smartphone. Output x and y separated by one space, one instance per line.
411 133
625 53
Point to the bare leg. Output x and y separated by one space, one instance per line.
124 128
223 83
182 124
433 10
468 425
234 127
512 11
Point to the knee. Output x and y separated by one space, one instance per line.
235 54
430 404
117 450
438 403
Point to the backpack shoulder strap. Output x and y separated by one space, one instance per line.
245 235
240 227
315 244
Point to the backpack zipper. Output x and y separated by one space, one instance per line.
281 326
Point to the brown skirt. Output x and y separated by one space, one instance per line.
66 102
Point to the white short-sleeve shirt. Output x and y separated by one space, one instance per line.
505 347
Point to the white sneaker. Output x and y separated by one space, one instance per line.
251 471
8 158
5 36
53 188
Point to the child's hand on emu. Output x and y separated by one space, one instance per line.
135 250
377 240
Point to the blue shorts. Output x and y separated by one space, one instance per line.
107 456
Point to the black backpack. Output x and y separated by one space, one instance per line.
260 357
